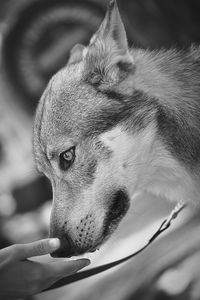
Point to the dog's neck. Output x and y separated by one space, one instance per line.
160 173
147 165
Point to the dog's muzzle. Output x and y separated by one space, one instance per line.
83 241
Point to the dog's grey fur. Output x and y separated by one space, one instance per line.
133 116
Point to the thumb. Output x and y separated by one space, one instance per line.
64 268
41 247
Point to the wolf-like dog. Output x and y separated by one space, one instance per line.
113 122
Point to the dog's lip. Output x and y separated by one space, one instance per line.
94 249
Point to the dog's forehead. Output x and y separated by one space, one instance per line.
69 103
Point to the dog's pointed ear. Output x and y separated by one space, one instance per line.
112 29
76 54
107 57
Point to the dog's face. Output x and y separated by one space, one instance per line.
85 163
81 140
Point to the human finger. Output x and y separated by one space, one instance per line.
61 269
23 251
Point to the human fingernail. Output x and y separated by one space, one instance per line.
87 262
54 244
83 262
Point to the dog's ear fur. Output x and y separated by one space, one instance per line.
76 54
112 29
109 47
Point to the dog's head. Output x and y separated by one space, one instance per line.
83 138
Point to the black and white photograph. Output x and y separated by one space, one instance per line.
99 150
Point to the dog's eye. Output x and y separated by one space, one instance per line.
67 158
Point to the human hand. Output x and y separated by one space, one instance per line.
20 277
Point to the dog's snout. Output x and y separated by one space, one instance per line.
85 233
78 241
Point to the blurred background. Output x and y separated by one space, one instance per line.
35 39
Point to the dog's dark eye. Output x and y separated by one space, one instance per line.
67 158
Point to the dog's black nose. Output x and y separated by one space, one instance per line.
65 249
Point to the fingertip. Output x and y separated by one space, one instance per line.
54 244
84 262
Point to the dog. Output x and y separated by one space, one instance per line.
112 123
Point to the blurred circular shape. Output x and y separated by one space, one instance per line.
39 37
174 282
